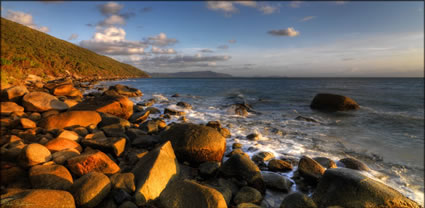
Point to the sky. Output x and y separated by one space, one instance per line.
241 38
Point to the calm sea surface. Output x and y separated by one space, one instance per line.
387 133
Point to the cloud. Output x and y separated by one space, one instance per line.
179 61
246 3
73 37
228 7
291 32
267 9
156 50
224 6
232 41
206 50
308 18
295 4
24 19
113 20
223 47
161 40
110 8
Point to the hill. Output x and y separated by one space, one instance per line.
195 74
27 51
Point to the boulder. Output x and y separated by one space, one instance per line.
27 123
279 165
108 119
253 137
325 162
119 106
40 198
58 82
12 149
247 195
196 143
153 172
15 93
63 90
7 108
354 164
276 181
123 90
139 117
173 112
124 181
262 157
92 161
11 172
34 154
208 169
114 145
184 105
62 156
310 169
247 205
242 167
60 144
153 110
134 133
70 118
239 109
71 135
190 194
350 188
332 102
41 101
90 189
153 126
297 200
145 141
50 177
114 130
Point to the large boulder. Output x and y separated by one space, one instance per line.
70 118
123 90
119 106
354 164
14 93
124 181
350 189
189 194
114 145
279 165
331 102
247 195
60 144
297 200
242 167
196 143
40 198
277 181
153 172
92 161
7 108
89 190
41 101
310 169
50 177
34 154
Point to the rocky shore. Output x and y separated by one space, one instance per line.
61 147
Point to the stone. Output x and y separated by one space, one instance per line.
214 124
63 90
123 181
10 172
50 177
49 113
253 137
350 188
190 194
238 109
92 161
70 118
184 105
303 118
60 144
237 145
153 126
27 123
119 106
71 102
276 181
242 167
247 205
12 150
81 131
40 198
41 102
225 132
279 165
196 143
15 93
332 102
114 145
145 141
134 133
35 116
139 117
123 90
310 169
208 169
114 130
7 108
354 164
325 162
62 156
247 195
176 95
173 112
153 110
34 154
57 82
297 200
120 196
153 172
128 204
71 135
262 157
108 119
90 189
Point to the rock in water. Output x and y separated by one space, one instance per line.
297 200
279 165
196 143
123 90
153 172
50 177
119 106
331 102
351 189
354 164
41 101
70 118
89 190
310 169
189 194
40 198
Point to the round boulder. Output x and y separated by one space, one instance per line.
90 189
41 101
50 177
332 102
34 154
70 118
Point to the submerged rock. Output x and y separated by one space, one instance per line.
331 102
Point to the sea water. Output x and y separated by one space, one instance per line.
387 132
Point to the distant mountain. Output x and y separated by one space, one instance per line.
27 51
195 74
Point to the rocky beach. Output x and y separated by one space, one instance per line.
70 143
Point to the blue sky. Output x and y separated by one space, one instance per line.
287 38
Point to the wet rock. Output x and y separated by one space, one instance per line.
40 198
153 172
34 154
70 118
27 123
276 181
303 118
247 195
124 181
262 157
243 168
114 145
184 105
60 144
189 194
62 156
14 93
253 137
310 169
174 112
148 103
236 145
123 90
239 109
225 132
196 143
50 177
153 110
354 164
119 106
92 161
297 200
325 162
338 186
279 165
90 189
41 101
214 124
237 151
7 108
139 117
175 95
208 169
331 102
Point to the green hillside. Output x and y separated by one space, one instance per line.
27 51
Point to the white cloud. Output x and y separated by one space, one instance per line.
113 20
267 9
248 3
178 61
156 50
73 37
110 8
295 4
308 18
228 7
161 40
25 19
290 31
224 6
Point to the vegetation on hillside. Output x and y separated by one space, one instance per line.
27 51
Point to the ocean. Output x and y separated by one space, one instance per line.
387 133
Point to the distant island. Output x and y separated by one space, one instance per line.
197 74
